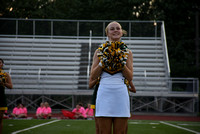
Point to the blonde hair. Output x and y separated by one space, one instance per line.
123 31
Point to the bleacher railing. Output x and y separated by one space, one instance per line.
75 28
164 42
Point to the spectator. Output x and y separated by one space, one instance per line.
47 111
18 112
81 107
23 111
89 112
39 112
79 112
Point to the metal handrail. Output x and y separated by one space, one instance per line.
137 21
164 40
89 58
75 37
77 24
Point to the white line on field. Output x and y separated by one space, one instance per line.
180 127
34 126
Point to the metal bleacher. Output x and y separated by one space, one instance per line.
43 67
53 66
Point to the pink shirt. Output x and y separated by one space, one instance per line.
39 110
24 110
47 110
17 111
89 112
81 110
75 110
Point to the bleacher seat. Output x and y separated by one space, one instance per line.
61 64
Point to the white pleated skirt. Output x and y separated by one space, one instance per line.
112 99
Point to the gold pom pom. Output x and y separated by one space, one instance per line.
113 56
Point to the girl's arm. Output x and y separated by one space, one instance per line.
132 89
96 70
128 68
8 82
92 82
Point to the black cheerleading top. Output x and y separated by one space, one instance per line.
3 103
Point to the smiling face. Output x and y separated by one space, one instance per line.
114 31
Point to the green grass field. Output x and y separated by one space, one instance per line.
88 127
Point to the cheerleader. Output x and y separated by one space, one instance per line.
112 63
5 81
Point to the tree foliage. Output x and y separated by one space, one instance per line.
179 18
